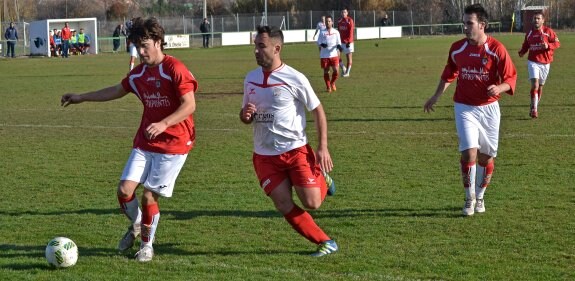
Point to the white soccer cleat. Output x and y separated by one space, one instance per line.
346 74
480 206
129 237
145 254
468 209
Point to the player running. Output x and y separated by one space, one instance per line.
330 46
165 136
541 42
345 26
484 71
276 97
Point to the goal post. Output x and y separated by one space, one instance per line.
40 32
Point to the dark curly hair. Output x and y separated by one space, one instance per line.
143 29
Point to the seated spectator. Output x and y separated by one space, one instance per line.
74 47
58 43
83 42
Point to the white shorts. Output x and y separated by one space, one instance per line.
133 51
538 71
478 127
156 171
347 50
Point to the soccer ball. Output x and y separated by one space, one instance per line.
61 252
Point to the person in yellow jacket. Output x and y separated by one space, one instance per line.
83 41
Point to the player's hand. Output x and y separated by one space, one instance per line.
248 113
520 54
155 129
323 158
339 48
546 45
428 106
347 45
323 45
493 91
68 99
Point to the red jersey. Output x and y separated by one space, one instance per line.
533 43
66 33
476 68
160 88
345 27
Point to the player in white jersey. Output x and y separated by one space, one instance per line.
329 42
276 97
320 27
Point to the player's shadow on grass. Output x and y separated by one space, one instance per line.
192 214
447 212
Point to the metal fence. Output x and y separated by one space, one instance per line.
412 25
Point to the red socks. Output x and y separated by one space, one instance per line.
150 217
304 224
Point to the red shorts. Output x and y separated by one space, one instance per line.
297 165
327 62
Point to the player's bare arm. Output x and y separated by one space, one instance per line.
106 94
247 113
441 87
495 90
186 108
322 153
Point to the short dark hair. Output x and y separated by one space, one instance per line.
143 29
273 32
539 13
479 11
328 17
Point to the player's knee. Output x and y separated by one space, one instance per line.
124 190
284 206
312 203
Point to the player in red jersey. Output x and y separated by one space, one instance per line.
166 134
345 26
276 97
484 70
541 42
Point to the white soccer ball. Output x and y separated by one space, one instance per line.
61 252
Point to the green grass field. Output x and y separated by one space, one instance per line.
397 211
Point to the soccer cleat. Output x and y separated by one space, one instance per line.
325 248
145 254
533 113
328 86
346 74
480 206
128 239
469 206
330 184
343 69
333 88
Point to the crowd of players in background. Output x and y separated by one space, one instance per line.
67 41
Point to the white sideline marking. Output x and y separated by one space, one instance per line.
331 132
